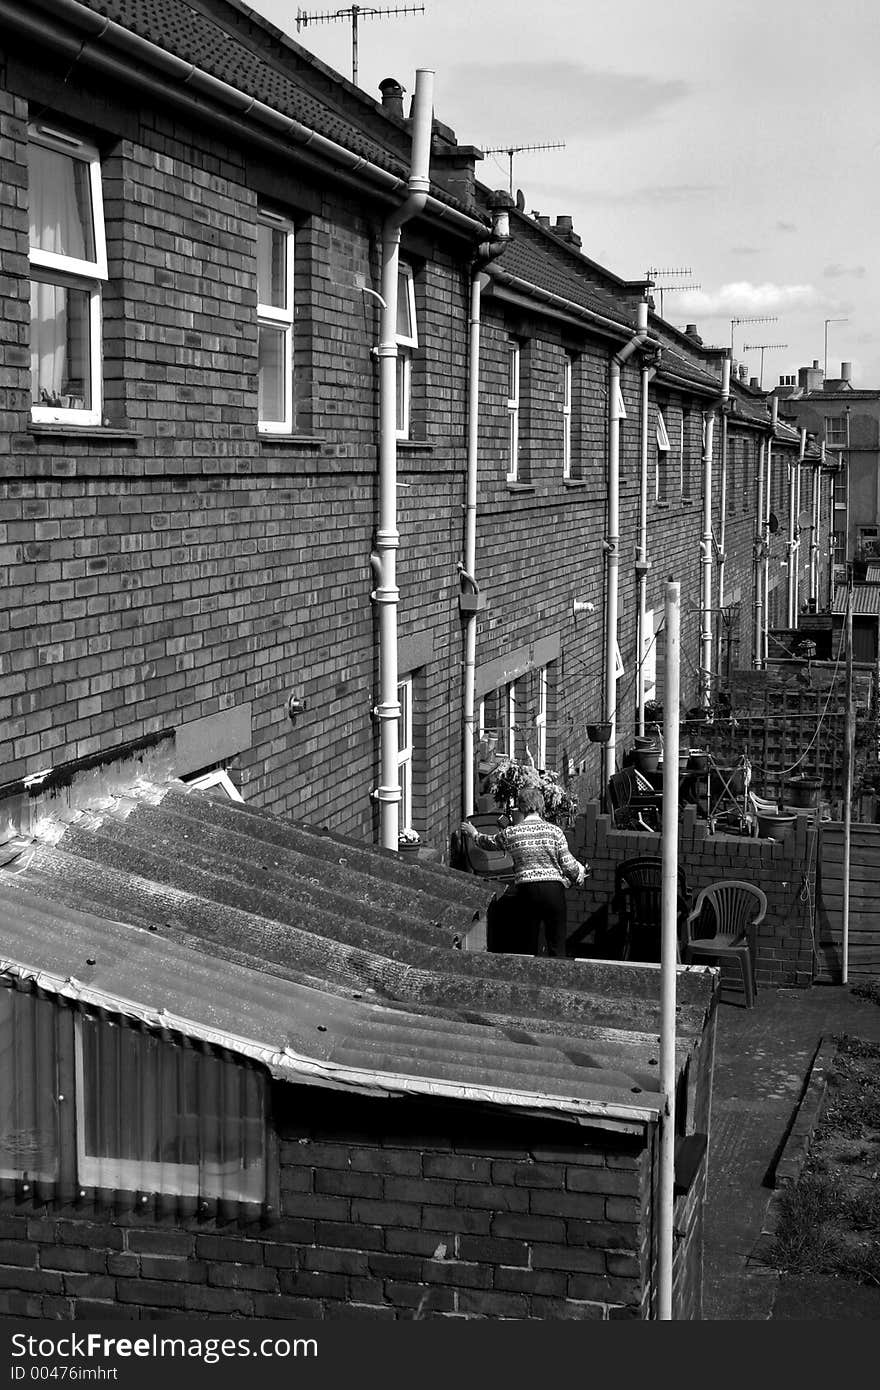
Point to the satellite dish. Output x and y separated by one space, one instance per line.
773 523
520 200
804 519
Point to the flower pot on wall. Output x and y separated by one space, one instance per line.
647 758
773 825
408 851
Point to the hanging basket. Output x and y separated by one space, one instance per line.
599 733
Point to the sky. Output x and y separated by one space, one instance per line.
736 144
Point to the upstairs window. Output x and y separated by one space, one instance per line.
407 341
275 262
513 364
68 265
405 751
661 468
835 431
566 418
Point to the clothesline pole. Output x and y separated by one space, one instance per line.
669 945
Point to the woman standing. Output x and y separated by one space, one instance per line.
542 867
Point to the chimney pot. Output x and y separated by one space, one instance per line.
753 383
392 96
815 363
846 371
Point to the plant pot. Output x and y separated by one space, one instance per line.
408 851
804 791
698 761
599 733
773 825
647 759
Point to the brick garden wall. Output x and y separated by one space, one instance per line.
388 1210
785 870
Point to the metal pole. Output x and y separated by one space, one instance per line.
669 946
848 780
354 44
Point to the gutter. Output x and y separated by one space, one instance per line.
292 136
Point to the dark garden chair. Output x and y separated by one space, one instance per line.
638 890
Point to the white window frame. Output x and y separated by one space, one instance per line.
405 750
566 417
406 344
135 1175
218 777
69 272
835 431
513 392
648 662
280 319
541 717
663 447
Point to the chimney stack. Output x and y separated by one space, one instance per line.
392 96
565 231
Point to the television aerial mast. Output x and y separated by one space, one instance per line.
763 347
511 150
354 13
654 273
734 323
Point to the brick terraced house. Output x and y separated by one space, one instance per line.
268 494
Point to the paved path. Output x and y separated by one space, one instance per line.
762 1059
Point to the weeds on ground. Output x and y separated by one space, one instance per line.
870 990
829 1222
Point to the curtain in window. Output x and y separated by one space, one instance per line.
28 1086
166 1117
60 204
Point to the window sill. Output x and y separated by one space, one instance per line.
521 487
414 446
290 441
661 504
688 501
111 433
575 483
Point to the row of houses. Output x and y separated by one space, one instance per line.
322 464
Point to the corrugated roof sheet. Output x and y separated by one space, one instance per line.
866 599
328 960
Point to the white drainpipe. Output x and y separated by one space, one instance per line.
643 564
817 520
768 490
794 503
384 559
760 540
707 542
468 568
612 540
722 514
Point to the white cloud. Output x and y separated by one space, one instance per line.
741 298
836 272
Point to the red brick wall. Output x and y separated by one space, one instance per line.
387 1209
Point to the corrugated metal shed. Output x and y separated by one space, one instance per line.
329 961
866 599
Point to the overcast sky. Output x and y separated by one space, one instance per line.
737 141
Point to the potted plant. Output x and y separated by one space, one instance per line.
599 733
560 807
408 842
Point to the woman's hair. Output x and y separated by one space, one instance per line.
531 799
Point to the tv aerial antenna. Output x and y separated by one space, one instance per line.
654 273
763 347
734 323
511 150
354 13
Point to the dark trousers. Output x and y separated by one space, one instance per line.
542 905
